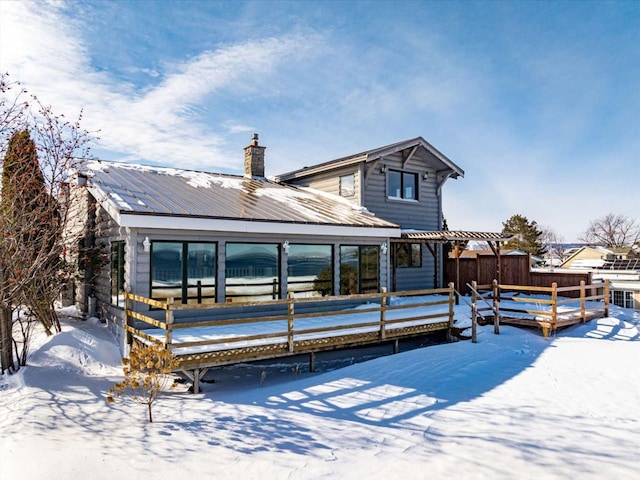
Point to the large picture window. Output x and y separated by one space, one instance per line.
359 269
310 270
402 185
252 272
117 273
408 255
185 271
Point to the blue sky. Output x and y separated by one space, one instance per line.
539 102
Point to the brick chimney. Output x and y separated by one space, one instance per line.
254 159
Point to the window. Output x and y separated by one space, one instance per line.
117 273
359 271
622 299
347 185
402 185
192 281
408 255
310 270
252 272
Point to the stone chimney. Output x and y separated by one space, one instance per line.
254 159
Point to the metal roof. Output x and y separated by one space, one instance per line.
374 154
144 190
449 236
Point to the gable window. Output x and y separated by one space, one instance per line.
310 270
117 273
402 185
252 272
347 185
185 271
408 255
359 272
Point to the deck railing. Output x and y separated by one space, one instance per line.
380 320
592 301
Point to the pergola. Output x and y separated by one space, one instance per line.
459 239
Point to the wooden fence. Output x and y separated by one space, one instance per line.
514 269
288 334
505 304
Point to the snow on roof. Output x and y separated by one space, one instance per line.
140 189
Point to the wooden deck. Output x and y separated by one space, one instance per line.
256 335
547 308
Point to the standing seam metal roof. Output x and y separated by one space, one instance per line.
143 190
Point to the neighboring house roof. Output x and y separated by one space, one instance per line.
626 264
443 163
136 194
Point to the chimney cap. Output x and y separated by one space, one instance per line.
254 139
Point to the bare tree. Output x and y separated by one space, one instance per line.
612 230
36 229
553 243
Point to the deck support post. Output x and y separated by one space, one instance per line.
395 346
606 297
312 362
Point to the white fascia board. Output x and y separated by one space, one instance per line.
255 227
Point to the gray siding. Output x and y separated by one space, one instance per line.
330 182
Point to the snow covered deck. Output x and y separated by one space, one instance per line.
262 332
544 307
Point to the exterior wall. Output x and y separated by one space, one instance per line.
421 214
371 192
330 182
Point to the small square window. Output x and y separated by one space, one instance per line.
402 185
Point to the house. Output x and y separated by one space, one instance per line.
204 238
401 183
621 266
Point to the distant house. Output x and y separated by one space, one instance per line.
203 238
401 183
621 266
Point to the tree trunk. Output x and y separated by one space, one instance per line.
150 416
6 339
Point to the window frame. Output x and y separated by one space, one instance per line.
117 265
347 191
361 251
403 176
183 285
291 289
414 259
276 286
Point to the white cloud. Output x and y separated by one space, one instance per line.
45 51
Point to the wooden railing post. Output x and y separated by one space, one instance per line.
496 307
452 301
606 297
474 312
290 314
169 322
383 313
128 306
583 302
554 306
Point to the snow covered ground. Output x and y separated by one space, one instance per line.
511 406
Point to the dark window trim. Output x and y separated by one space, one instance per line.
184 283
416 185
